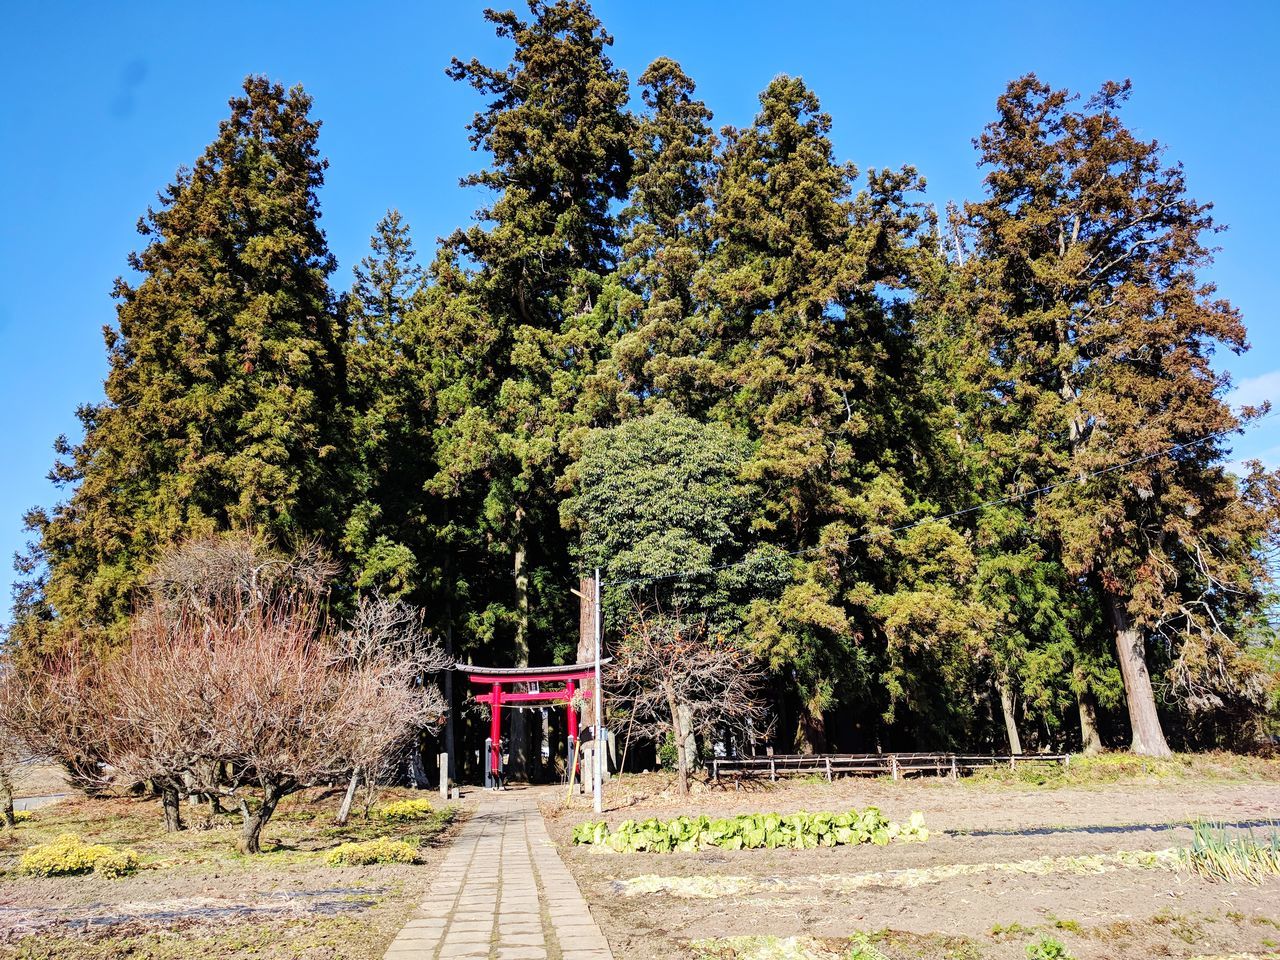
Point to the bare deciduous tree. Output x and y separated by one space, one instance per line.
236 570
387 628
680 681
13 751
55 705
253 702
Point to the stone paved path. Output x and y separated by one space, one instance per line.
502 892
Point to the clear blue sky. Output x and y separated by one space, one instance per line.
103 101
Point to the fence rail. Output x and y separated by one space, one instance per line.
896 765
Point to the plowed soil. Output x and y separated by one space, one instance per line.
988 907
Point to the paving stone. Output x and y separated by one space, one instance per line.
519 929
420 937
471 926
521 940
502 871
425 923
463 950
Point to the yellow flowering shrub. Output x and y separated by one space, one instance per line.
68 854
405 810
382 850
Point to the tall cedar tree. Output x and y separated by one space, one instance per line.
389 533
221 401
812 359
1042 642
1088 301
558 135
655 357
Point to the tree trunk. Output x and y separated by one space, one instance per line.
1090 741
690 740
344 811
6 799
1010 718
1148 737
679 734
418 765
811 731
172 809
449 734
251 833
517 766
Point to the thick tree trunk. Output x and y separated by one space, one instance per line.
418 764
1008 708
344 811
690 739
518 765
449 733
679 733
682 754
169 800
811 731
251 832
1148 737
1090 741
6 800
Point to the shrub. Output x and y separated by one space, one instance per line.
68 855
667 753
21 816
751 831
381 850
401 810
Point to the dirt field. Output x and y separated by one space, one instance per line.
195 897
39 780
1061 867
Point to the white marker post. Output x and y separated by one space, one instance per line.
598 739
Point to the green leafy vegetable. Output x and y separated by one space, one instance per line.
799 831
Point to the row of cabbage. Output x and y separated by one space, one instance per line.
754 831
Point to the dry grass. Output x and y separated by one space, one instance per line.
196 897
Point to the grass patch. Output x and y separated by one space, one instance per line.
864 946
301 833
323 937
1115 768
1221 855
1047 948
1015 929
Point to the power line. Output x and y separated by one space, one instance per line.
1011 498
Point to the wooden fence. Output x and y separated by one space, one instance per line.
896 765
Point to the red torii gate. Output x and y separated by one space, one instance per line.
495 678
